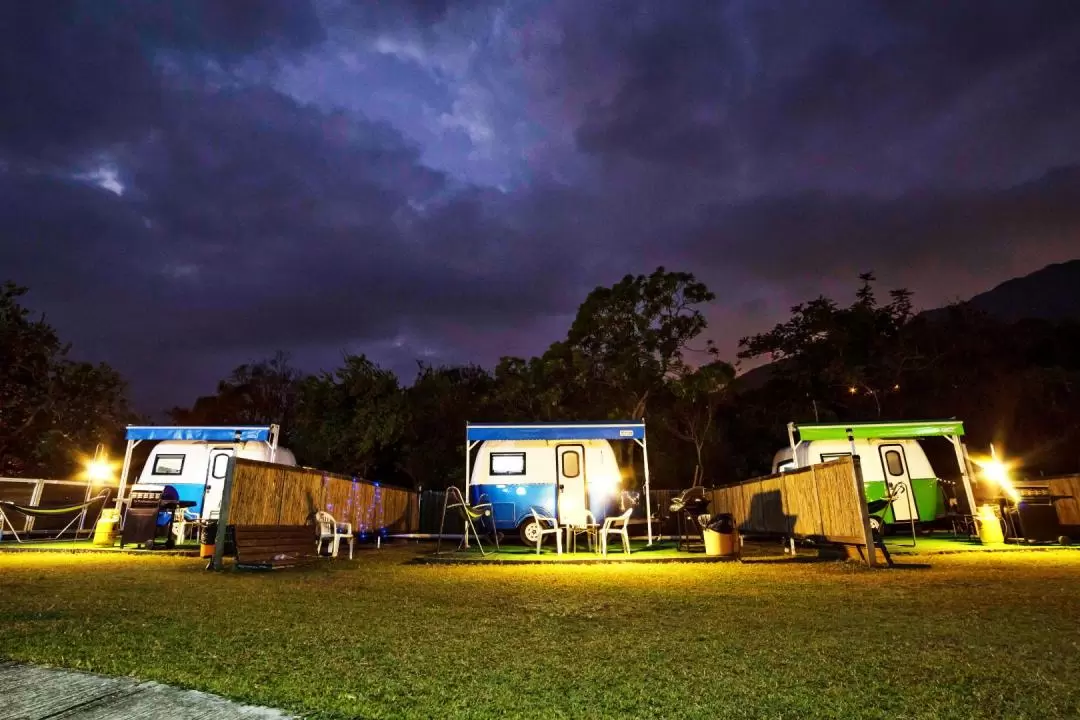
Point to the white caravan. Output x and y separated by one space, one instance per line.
891 459
562 479
195 460
561 469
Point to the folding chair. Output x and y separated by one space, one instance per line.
470 515
876 509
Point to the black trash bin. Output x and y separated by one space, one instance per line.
207 538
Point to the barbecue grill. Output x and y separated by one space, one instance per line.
1033 517
688 507
150 515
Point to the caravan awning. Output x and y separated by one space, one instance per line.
879 430
612 430
209 434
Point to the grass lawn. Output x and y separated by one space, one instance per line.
83 545
510 551
974 635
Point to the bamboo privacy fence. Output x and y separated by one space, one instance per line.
1067 490
268 494
823 502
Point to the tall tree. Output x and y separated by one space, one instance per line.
630 338
256 393
350 420
845 360
440 401
52 409
547 388
692 416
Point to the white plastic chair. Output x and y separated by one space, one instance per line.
616 526
333 532
541 521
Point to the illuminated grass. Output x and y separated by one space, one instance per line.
89 546
976 635
514 552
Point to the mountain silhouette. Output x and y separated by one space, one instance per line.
1052 293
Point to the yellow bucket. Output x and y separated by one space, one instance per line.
990 532
712 542
718 544
105 530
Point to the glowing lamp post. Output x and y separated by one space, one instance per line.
997 472
98 470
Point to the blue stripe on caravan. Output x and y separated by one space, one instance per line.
208 434
512 503
579 431
192 492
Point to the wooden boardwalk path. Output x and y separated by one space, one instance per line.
35 693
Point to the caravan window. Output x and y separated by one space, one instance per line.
508 463
168 465
571 464
894 463
220 466
829 457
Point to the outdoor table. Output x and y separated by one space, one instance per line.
572 531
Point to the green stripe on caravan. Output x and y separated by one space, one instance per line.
880 431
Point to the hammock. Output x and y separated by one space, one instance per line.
46 511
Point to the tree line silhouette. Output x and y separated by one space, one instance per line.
635 349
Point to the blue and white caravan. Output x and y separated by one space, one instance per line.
561 469
194 460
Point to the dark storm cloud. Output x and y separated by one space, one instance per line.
176 212
249 222
845 95
428 12
818 235
293 222
79 74
409 13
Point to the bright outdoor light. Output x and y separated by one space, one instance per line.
604 484
998 472
99 471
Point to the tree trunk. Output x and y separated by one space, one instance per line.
625 453
699 470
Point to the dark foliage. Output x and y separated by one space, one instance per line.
627 354
630 353
52 409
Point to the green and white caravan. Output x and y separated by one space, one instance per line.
892 460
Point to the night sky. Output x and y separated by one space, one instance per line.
187 185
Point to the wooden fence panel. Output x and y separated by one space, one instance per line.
269 494
1068 508
841 504
815 502
801 503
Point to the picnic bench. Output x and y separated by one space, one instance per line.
270 547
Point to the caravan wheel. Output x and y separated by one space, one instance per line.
529 532
877 525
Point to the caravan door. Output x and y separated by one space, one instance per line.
570 473
895 468
216 468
